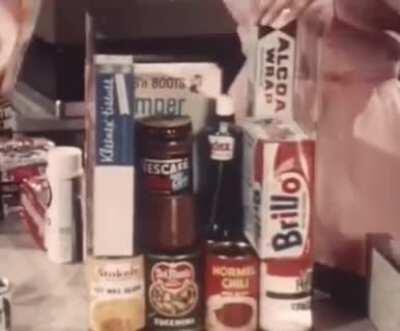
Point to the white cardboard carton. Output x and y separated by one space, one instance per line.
278 177
111 156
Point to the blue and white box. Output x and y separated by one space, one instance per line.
114 171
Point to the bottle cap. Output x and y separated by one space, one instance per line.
64 162
225 106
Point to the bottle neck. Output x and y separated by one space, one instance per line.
226 119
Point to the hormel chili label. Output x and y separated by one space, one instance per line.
167 176
285 295
278 188
232 285
173 293
222 147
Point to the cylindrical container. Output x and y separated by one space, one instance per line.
169 223
5 305
174 292
231 287
116 287
166 154
285 295
64 229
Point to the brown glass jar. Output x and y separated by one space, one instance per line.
165 152
170 224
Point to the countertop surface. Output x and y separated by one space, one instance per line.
50 297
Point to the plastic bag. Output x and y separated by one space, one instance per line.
355 108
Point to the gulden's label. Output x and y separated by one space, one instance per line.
117 294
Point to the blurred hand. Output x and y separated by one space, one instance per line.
265 12
17 19
249 13
370 14
8 35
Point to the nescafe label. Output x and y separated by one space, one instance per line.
167 176
231 293
173 293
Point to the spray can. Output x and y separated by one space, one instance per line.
64 229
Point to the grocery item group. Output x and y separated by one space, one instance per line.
190 220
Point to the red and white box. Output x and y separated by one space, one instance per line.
278 180
285 295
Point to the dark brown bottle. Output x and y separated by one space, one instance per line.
170 224
221 193
170 229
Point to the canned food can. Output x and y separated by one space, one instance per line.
285 295
5 305
116 294
174 292
231 287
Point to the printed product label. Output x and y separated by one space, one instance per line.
232 293
276 52
288 215
285 301
173 294
114 118
222 147
175 89
117 294
167 176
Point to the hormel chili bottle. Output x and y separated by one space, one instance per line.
221 184
166 154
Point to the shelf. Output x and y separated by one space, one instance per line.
49 297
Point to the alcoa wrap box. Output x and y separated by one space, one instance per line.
278 187
272 67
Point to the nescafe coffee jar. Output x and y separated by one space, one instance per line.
166 154
231 287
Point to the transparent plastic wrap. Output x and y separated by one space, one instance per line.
17 19
350 95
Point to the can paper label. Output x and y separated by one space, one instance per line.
173 293
117 294
285 295
231 293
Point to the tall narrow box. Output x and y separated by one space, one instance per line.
110 141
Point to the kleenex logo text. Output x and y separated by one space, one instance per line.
107 96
